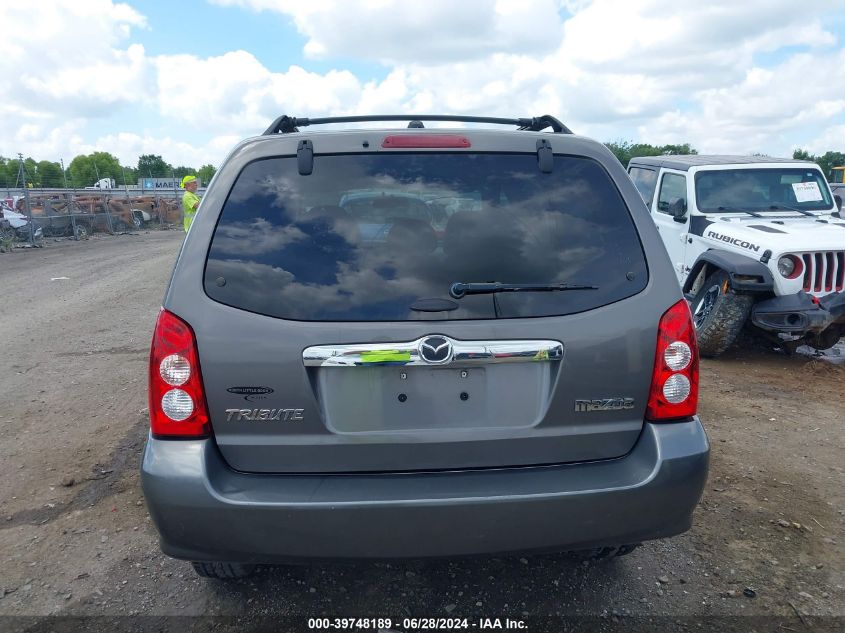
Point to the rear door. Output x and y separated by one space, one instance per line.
326 346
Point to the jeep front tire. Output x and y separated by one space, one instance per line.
718 314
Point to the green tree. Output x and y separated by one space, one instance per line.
81 171
153 166
50 174
683 149
8 171
182 171
206 173
829 160
11 173
31 172
826 161
626 150
128 176
85 170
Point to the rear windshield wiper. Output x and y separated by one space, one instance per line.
460 289
738 210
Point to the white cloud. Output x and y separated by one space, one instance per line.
402 32
674 72
128 146
67 56
94 88
831 137
42 139
759 112
65 63
725 76
236 92
661 37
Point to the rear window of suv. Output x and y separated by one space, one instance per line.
366 236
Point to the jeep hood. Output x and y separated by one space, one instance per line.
756 235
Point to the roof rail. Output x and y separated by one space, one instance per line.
287 124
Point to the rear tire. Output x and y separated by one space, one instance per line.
718 314
7 235
82 232
827 339
223 571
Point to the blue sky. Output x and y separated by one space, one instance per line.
204 29
187 80
215 30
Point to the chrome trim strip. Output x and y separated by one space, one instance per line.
464 353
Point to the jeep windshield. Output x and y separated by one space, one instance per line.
755 190
367 236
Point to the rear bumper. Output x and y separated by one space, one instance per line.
205 511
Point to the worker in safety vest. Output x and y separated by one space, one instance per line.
190 200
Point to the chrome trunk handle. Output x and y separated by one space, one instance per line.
433 350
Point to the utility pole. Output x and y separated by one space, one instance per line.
22 178
104 200
71 203
125 186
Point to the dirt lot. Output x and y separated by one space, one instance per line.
75 538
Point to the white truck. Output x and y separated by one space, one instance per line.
103 183
753 240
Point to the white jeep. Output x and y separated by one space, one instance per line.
754 239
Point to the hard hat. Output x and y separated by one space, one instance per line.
186 180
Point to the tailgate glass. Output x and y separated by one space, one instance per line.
367 236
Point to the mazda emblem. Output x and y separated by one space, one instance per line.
436 350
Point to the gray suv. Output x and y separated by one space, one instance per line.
414 342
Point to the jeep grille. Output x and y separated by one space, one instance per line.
824 272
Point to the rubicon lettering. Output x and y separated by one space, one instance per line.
733 240
261 415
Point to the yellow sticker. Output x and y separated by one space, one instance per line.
385 356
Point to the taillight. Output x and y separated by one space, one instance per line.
674 381
177 399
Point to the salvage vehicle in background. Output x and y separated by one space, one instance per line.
80 216
17 225
145 210
52 214
323 386
753 240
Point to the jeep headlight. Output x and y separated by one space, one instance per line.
789 266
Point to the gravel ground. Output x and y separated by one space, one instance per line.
76 540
